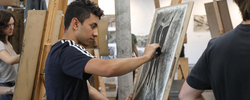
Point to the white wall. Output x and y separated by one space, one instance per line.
47 2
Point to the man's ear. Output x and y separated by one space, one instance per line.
74 23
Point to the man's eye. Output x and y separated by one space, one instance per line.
93 26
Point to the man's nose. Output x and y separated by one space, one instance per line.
95 34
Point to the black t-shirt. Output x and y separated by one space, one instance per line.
64 72
225 66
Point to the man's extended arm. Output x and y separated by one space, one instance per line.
189 93
117 67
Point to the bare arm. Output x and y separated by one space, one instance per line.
9 59
189 93
117 67
136 51
94 94
6 90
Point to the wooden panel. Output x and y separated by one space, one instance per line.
182 68
17 37
212 21
29 55
103 42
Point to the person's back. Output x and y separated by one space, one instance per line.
224 65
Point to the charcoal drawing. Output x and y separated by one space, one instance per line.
201 23
141 40
112 37
166 30
110 19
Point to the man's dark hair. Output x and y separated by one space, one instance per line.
244 6
81 9
4 20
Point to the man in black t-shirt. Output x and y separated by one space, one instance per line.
69 65
224 66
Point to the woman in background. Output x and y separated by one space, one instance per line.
8 57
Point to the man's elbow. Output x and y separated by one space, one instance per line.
181 96
110 72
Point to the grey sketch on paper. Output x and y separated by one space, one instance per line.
166 30
112 37
111 55
110 19
141 41
201 23
111 27
140 51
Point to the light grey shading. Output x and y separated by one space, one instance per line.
111 53
110 19
112 37
141 41
201 23
166 30
111 24
140 52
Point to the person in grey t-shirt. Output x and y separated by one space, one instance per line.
8 57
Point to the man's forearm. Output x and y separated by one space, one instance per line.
94 94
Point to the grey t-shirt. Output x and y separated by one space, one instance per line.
8 73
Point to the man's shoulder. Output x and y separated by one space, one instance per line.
68 47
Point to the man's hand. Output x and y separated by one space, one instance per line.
150 51
130 97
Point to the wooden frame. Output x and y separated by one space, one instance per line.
50 26
157 75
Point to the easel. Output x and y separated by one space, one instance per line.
217 25
47 39
173 2
166 96
183 62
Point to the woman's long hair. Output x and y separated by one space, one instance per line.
4 20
